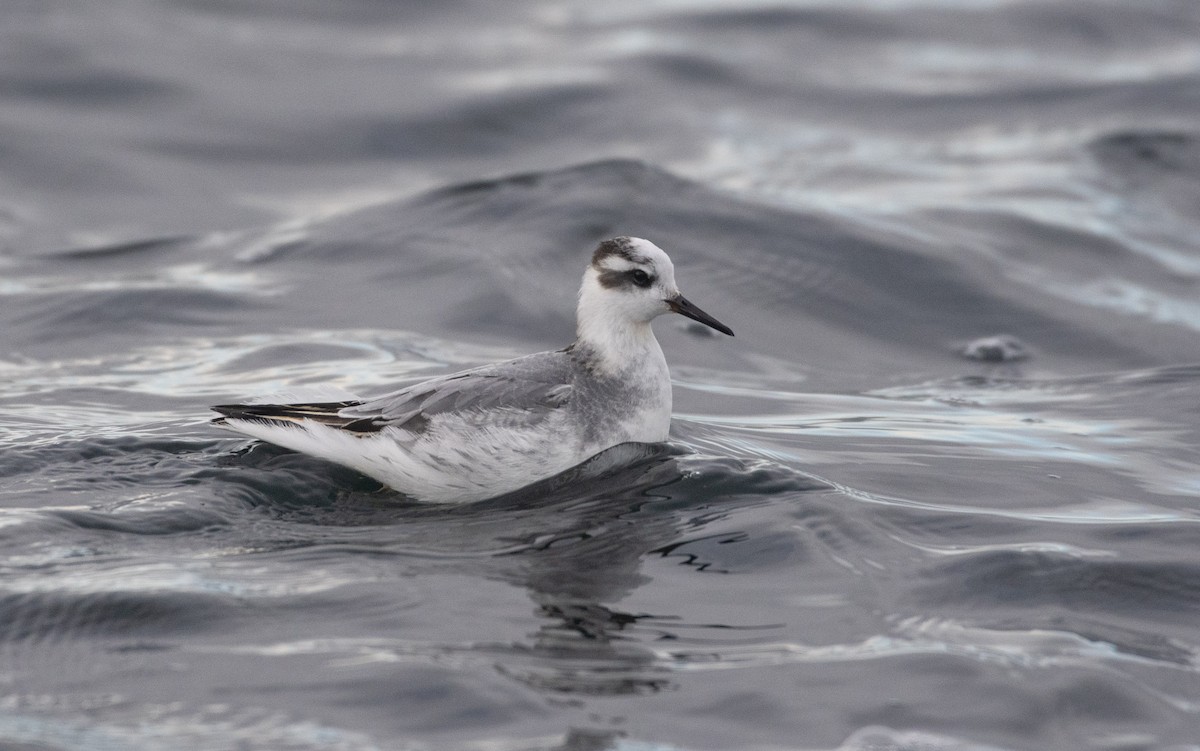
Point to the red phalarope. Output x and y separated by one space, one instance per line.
494 429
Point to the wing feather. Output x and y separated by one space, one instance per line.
530 387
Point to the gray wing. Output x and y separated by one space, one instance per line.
529 388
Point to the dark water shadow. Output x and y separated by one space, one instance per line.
575 542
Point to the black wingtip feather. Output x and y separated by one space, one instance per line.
326 413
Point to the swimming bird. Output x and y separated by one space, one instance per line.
493 429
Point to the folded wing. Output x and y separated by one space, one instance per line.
528 389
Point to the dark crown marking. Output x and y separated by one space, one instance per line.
623 248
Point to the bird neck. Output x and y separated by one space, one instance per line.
616 344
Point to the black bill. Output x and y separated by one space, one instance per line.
680 305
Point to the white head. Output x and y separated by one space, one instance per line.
629 283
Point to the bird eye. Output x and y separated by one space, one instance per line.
640 278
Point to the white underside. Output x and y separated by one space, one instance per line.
449 464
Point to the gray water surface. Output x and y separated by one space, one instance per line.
940 492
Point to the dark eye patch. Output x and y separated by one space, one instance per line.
635 277
640 278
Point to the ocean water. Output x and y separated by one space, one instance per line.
941 492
